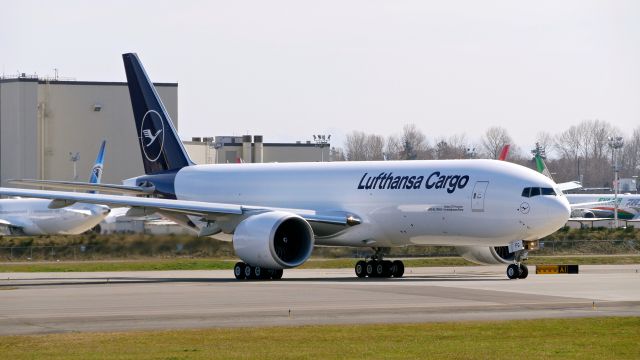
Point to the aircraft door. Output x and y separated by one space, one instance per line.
477 199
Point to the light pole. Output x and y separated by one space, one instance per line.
74 159
322 141
615 143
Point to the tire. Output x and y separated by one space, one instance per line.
524 271
371 268
248 272
398 269
387 268
513 271
379 269
277 274
238 270
259 273
361 269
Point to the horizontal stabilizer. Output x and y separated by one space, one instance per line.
82 186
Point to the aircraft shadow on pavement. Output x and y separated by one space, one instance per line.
123 280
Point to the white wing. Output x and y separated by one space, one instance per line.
206 210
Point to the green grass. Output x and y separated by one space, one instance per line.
590 338
221 264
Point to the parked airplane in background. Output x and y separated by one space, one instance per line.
593 207
493 211
29 216
602 206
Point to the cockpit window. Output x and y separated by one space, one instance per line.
535 191
548 191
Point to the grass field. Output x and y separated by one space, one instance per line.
590 338
221 264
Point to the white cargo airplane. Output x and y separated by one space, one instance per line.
276 213
46 217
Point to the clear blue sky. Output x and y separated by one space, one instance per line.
289 69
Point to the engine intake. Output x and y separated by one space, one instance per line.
274 240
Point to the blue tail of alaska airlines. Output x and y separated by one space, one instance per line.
96 171
161 149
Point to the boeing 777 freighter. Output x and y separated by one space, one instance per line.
46 217
493 211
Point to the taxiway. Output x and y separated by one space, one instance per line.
33 303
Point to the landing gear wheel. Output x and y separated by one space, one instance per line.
248 272
238 270
379 269
397 269
277 274
513 271
371 268
387 268
361 269
260 273
524 271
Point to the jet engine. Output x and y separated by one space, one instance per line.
274 240
583 213
487 255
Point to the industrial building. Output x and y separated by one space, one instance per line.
45 123
252 149
49 127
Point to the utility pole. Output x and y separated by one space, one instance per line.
615 143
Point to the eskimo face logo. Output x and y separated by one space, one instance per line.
152 131
97 172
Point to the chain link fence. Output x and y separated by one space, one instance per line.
225 250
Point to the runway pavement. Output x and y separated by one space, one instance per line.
32 303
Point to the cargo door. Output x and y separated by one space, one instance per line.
477 200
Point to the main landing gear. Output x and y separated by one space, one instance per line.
378 267
245 271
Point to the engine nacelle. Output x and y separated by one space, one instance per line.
583 213
487 255
274 240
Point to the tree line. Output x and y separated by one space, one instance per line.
582 152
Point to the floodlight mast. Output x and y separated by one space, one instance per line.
615 143
322 141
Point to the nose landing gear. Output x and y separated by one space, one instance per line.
378 267
518 270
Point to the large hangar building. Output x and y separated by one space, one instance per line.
45 122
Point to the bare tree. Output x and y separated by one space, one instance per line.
393 150
494 140
375 147
546 142
337 154
363 147
356 147
630 155
414 143
455 147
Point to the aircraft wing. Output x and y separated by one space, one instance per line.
6 223
571 185
585 219
206 210
82 186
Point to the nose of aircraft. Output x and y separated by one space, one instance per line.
555 214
